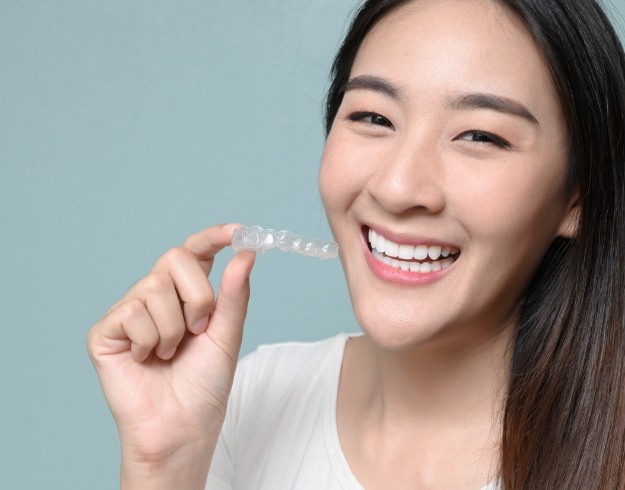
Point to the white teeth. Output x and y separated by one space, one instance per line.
391 249
406 252
396 255
445 264
380 244
434 252
422 267
420 252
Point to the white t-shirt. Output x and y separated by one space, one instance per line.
280 429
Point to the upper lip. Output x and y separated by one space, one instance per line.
409 238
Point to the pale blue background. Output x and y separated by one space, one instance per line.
125 125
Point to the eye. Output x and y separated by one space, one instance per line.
483 138
372 118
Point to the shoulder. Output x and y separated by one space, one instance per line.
294 352
280 364
276 382
269 377
277 411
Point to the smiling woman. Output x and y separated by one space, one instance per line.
473 176
424 154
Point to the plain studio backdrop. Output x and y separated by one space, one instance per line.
126 125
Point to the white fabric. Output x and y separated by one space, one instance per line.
280 430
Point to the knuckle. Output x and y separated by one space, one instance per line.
130 310
157 283
178 255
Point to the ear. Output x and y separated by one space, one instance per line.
570 222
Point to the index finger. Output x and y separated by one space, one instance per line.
207 243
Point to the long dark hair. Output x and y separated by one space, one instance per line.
564 420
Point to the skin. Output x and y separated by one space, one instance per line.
421 393
166 355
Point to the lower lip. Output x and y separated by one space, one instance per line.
390 274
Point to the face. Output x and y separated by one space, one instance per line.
443 176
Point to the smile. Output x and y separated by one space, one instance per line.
421 258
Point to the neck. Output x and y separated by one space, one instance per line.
427 414
433 386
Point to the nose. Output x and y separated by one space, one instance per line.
410 177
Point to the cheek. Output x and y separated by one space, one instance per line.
327 185
340 176
518 212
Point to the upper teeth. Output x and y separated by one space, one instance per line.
408 252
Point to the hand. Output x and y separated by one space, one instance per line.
167 351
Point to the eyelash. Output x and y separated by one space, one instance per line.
361 116
486 137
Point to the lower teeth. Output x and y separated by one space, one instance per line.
422 267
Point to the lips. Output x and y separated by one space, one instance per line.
423 258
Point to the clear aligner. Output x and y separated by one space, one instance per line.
260 240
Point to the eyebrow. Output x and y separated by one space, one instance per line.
376 84
473 100
497 103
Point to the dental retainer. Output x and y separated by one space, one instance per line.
260 240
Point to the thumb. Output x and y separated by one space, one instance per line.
225 327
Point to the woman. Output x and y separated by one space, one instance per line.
473 176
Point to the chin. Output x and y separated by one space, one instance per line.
397 332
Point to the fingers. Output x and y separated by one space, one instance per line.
128 326
191 285
226 323
207 243
151 321
150 318
177 296
163 306
156 302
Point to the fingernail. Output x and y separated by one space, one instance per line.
200 325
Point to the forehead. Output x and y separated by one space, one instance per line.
430 46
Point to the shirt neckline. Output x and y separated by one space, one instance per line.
337 457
